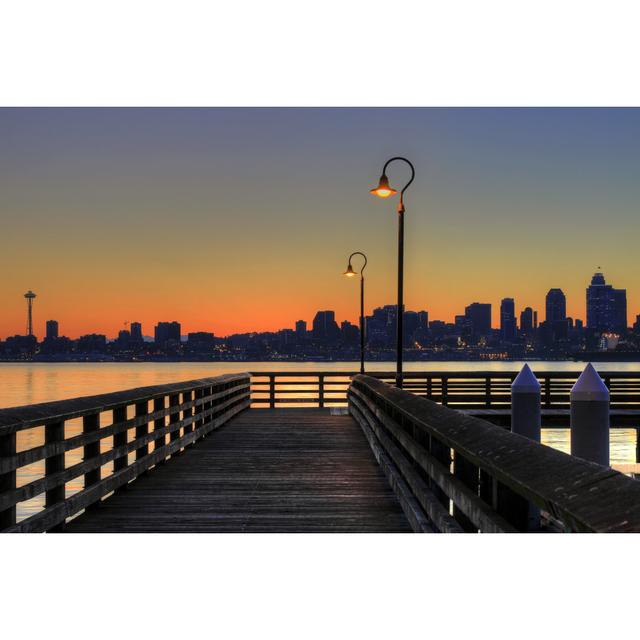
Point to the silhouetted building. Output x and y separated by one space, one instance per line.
480 316
526 321
136 332
52 330
423 318
350 333
20 346
556 306
167 334
508 319
92 343
606 306
325 327
123 341
301 329
201 342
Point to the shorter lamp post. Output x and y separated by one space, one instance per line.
350 273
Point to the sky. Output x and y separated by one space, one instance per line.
233 220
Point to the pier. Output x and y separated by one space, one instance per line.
307 452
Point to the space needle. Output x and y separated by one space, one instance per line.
30 297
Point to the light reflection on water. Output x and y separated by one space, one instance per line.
30 383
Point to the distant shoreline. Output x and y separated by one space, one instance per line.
586 357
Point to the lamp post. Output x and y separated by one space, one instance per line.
350 273
383 190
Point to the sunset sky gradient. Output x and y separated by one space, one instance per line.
232 220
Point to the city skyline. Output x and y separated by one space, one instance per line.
554 306
110 215
605 312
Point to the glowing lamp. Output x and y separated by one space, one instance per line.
349 272
383 190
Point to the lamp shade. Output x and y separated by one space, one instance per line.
383 190
349 272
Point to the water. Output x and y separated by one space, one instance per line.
31 383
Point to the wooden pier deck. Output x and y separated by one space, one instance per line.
266 470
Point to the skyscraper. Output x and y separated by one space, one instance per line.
325 326
556 306
136 332
479 314
606 306
301 328
507 319
52 329
167 334
526 321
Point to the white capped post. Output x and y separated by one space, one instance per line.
590 417
525 405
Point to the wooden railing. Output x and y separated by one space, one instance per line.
453 472
460 389
121 437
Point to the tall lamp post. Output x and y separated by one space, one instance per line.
383 190
350 273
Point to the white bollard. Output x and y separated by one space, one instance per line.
525 405
590 417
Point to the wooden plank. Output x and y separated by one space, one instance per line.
267 470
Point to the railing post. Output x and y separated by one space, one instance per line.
199 409
547 392
525 405
429 387
468 473
187 396
445 399
159 423
272 391
54 434
526 420
487 391
442 453
174 416
590 418
91 424
120 440
321 390
142 409
8 480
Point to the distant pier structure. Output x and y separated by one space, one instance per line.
30 296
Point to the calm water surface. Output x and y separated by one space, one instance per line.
30 383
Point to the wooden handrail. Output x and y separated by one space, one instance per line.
459 389
194 409
497 475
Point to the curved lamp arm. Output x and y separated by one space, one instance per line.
413 175
359 253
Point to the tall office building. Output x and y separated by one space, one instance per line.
52 329
301 328
479 314
167 334
606 306
423 317
526 321
136 332
556 306
508 319
325 326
